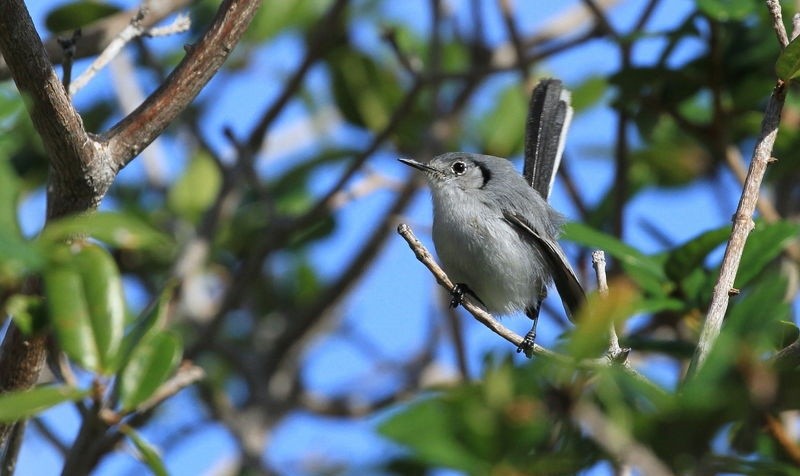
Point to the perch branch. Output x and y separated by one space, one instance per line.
424 256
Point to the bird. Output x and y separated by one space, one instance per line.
494 231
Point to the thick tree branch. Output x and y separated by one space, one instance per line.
136 131
70 149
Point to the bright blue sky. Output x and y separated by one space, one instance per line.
391 306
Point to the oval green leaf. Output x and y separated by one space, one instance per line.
684 259
149 454
152 320
77 14
105 299
788 65
27 403
151 363
763 245
86 305
116 229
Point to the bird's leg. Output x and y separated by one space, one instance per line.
458 292
526 345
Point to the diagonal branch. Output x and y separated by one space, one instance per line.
742 220
136 131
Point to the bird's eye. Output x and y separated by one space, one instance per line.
459 168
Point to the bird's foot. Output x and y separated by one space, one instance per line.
457 294
527 344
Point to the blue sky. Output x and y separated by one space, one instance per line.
391 307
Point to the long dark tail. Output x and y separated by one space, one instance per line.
549 115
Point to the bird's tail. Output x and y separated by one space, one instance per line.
549 115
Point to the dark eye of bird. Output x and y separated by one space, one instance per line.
459 168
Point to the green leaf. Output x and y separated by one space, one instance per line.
196 190
149 453
501 130
75 15
788 65
151 363
786 333
9 191
727 10
152 320
364 90
683 260
86 305
590 336
282 16
105 298
589 92
645 270
426 428
17 257
763 245
27 403
117 229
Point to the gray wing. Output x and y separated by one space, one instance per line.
549 115
567 285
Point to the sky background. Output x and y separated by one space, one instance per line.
391 307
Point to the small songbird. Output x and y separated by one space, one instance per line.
493 229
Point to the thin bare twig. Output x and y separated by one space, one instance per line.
615 352
188 374
68 45
515 37
424 256
134 29
130 32
774 7
742 220
778 432
180 24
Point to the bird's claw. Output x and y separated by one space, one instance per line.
527 344
457 295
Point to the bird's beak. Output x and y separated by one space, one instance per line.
419 165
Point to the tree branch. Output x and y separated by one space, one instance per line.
136 131
69 148
742 220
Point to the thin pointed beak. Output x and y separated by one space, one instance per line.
419 165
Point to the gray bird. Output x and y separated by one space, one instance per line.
495 234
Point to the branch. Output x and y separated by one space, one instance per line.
135 28
742 220
615 352
69 148
188 374
774 7
136 131
786 442
424 256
